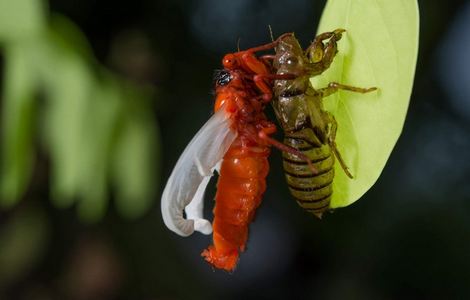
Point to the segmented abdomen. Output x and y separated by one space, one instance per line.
311 191
239 190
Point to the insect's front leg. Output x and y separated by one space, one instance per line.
332 141
261 82
269 45
331 48
333 87
323 55
250 62
267 59
254 64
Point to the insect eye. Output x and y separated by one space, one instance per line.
222 77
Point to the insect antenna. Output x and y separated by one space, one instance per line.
271 32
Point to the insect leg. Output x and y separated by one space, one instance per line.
331 48
333 87
311 137
267 59
259 66
318 53
269 45
332 142
260 81
264 135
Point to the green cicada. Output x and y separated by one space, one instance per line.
307 126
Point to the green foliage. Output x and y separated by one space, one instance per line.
134 158
97 128
378 49
17 123
21 19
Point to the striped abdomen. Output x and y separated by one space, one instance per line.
311 191
239 190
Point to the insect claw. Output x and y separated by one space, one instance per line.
339 31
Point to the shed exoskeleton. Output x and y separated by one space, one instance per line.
307 126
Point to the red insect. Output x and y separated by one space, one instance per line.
235 141
243 171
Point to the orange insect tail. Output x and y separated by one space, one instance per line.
239 189
221 260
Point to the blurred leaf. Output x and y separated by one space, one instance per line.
17 155
134 167
23 240
87 128
21 19
80 116
68 86
68 37
98 130
378 49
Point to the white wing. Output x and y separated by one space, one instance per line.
192 173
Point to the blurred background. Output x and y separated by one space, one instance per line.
98 100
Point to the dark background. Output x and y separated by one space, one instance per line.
407 238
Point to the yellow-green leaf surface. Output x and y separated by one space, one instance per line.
378 49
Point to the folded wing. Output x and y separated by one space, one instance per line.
188 180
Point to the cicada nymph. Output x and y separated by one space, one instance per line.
307 126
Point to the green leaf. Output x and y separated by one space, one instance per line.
73 116
17 155
98 130
69 85
378 49
135 156
67 36
21 19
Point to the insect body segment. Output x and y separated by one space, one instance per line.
239 190
312 191
307 126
